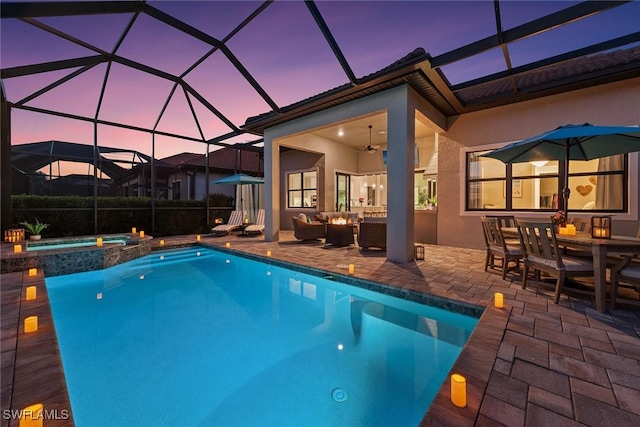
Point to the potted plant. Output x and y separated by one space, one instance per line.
432 202
34 229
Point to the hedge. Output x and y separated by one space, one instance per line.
73 215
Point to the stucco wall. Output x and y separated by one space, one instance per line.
612 104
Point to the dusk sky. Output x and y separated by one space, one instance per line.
282 48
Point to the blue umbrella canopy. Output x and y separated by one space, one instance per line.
571 142
239 179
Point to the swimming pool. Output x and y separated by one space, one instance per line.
74 242
199 337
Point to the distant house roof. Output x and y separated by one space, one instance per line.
228 159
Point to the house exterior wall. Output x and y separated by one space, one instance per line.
615 104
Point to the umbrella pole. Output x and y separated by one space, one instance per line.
566 192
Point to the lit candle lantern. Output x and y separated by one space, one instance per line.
32 416
562 231
601 227
352 269
99 241
33 272
499 300
228 245
161 242
458 390
31 293
571 230
17 249
198 238
141 234
30 324
134 230
268 253
246 220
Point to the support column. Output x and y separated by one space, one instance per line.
272 191
400 167
6 170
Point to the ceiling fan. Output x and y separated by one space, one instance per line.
371 148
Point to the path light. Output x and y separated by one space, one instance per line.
499 300
31 293
30 324
458 390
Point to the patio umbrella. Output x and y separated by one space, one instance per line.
571 142
239 179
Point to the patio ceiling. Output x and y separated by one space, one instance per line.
207 59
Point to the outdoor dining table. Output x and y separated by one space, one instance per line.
600 249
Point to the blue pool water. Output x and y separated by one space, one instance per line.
73 243
196 337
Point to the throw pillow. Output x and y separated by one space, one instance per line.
302 217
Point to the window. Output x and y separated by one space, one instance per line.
596 185
302 189
175 190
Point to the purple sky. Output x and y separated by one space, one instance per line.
282 48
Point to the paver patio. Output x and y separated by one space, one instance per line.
533 363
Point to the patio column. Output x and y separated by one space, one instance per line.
271 188
5 146
400 170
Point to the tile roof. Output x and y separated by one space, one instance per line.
224 158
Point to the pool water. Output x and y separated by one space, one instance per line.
196 337
73 243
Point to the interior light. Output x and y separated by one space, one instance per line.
382 132
340 133
539 163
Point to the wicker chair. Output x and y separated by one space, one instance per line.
308 230
372 234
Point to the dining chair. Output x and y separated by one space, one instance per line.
583 225
497 247
542 253
625 274
507 221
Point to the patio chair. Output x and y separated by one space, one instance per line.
303 230
373 234
541 253
507 221
234 223
625 274
258 227
497 246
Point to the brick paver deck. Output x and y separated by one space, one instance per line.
533 363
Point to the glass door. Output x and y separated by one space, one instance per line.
343 183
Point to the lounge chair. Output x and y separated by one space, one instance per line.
258 227
373 233
234 223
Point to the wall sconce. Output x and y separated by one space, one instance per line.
32 416
498 301
458 390
31 293
418 252
601 227
30 324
